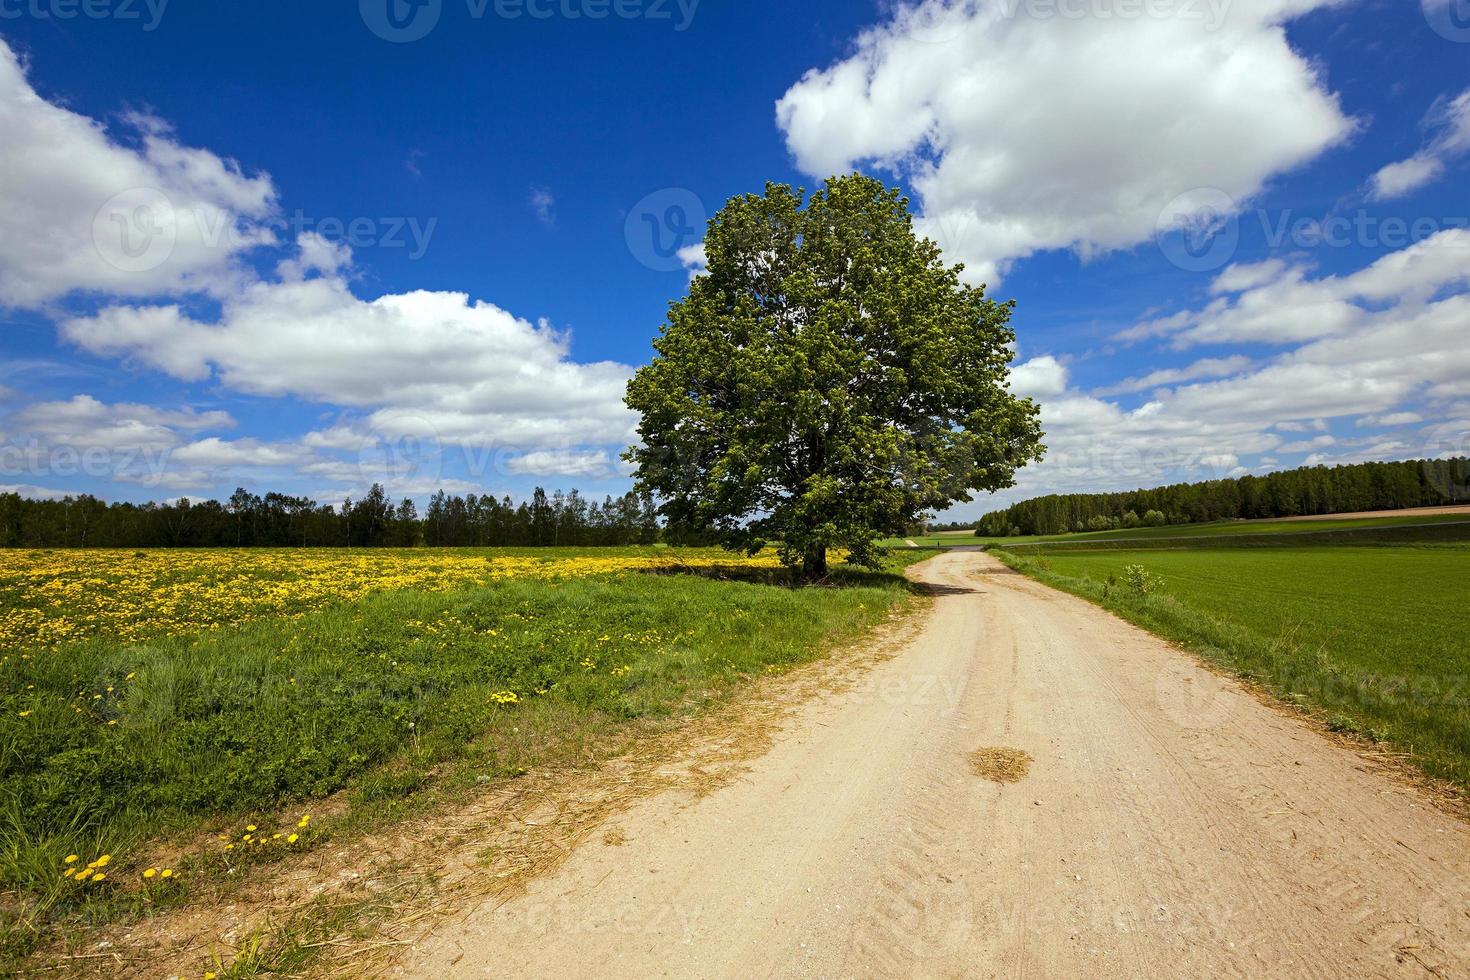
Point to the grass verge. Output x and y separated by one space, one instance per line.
206 738
1372 638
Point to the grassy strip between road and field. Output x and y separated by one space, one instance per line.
1416 526
130 749
1377 639
1305 534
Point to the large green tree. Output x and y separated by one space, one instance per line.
827 380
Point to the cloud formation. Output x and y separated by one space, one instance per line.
1388 352
1449 125
421 363
1023 131
84 211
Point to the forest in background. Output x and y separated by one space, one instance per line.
1308 491
569 519
277 520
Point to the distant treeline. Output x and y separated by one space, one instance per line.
280 521
1294 493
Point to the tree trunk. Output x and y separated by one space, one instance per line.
814 564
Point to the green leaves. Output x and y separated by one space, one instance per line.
827 381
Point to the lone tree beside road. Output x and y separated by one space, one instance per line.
827 381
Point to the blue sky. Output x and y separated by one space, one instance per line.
292 246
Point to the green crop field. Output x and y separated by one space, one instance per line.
153 699
1181 531
1378 638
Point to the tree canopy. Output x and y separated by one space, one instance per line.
827 380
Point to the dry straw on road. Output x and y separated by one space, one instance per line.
1000 765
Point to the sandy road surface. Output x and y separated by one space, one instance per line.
1170 826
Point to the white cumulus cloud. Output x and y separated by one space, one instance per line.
1392 357
433 364
81 210
1022 132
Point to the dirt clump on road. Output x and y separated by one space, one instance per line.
1000 765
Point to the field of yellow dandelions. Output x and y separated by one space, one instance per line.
49 598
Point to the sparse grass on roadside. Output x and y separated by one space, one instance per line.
191 737
1373 638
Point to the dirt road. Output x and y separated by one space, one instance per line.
1169 825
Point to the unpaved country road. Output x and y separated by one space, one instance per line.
1170 825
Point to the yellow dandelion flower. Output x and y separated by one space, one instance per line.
73 858
293 838
99 876
150 873
166 873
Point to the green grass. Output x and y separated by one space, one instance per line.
380 697
1214 529
1377 638
1262 536
931 541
